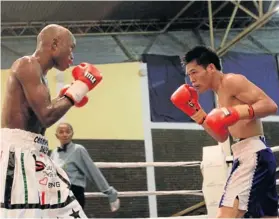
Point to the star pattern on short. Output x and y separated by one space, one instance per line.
75 214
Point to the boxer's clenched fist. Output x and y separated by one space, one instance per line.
186 99
86 76
218 120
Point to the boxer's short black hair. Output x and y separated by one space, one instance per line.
203 56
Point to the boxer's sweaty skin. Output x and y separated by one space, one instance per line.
27 104
230 95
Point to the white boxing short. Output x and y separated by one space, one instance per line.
32 186
253 179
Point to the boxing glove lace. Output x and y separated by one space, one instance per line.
186 99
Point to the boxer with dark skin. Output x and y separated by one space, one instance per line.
27 103
27 112
241 105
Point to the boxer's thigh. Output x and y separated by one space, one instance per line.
230 212
264 197
72 210
52 180
239 183
58 196
20 189
229 203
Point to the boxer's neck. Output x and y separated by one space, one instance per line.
44 60
216 81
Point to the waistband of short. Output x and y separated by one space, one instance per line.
24 139
249 145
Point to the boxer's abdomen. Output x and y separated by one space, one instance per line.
246 129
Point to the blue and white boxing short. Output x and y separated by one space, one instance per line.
32 186
252 180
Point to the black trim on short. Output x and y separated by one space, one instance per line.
38 206
9 177
64 180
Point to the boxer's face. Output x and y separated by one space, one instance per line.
64 134
199 76
63 52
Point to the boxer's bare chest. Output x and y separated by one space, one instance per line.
243 128
226 99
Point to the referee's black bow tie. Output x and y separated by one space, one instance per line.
63 148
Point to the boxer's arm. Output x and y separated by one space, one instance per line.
247 92
37 94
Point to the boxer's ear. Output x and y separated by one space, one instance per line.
54 45
211 67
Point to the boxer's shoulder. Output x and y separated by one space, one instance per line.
26 64
26 67
233 81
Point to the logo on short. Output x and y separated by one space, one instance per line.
53 184
90 77
40 166
40 140
43 181
44 149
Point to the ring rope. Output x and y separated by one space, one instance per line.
146 164
158 164
147 193
154 164
275 148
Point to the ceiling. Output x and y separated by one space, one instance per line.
26 18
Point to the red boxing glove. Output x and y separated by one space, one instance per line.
218 120
186 99
86 77
87 73
83 102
